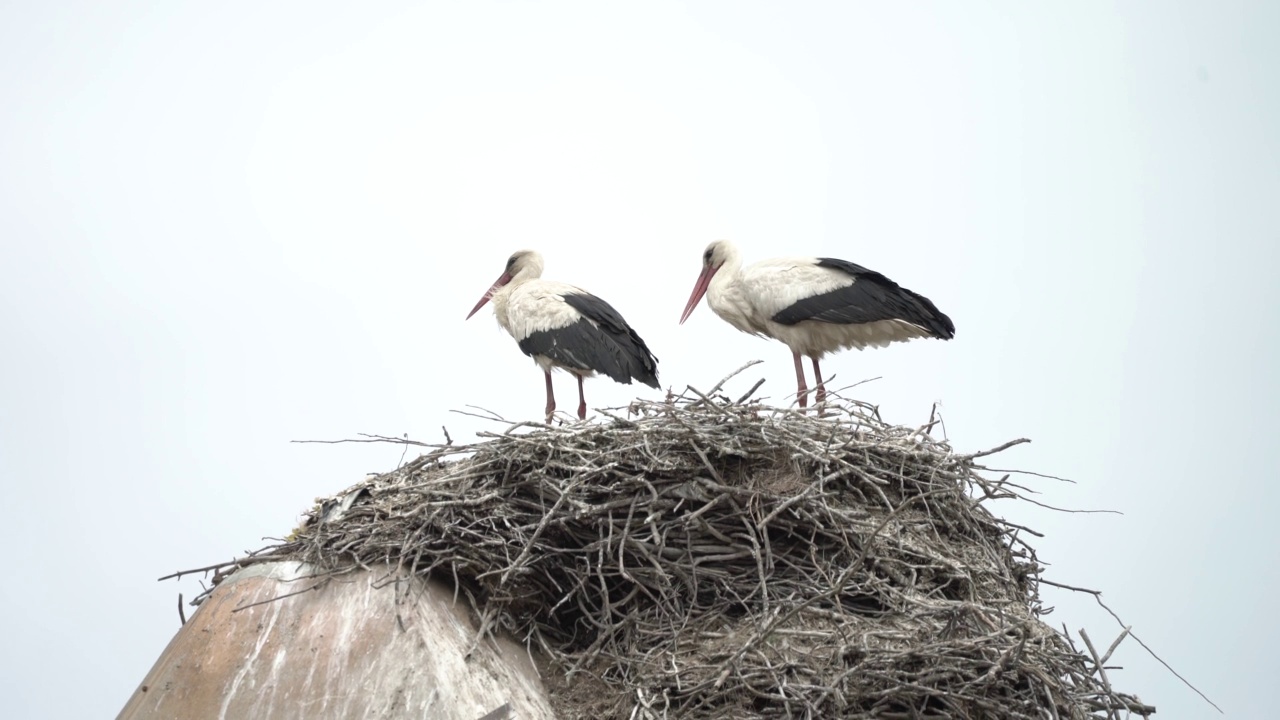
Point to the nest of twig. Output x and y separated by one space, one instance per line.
703 557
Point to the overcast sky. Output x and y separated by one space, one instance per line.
225 226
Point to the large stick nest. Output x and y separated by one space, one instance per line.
701 557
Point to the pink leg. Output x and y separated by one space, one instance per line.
802 392
551 399
821 395
582 401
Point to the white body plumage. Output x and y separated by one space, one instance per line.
748 299
813 305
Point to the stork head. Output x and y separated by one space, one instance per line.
522 265
713 258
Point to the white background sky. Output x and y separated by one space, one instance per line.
225 226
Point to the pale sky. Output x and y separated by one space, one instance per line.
225 226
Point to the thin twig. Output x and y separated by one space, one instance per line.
277 598
1153 654
998 448
749 393
1102 672
716 388
366 438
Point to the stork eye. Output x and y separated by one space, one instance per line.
706 257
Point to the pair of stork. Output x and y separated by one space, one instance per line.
813 305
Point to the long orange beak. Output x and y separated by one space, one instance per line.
699 289
503 279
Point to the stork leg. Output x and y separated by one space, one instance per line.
551 398
820 396
582 401
802 392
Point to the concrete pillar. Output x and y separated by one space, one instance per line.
348 649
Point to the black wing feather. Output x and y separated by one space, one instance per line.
871 298
601 341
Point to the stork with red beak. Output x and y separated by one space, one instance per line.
813 305
562 326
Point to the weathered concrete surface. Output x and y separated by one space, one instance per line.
335 652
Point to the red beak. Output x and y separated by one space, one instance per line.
503 279
699 289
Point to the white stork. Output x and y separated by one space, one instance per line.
562 326
813 305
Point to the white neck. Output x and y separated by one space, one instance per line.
501 298
725 296
728 274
